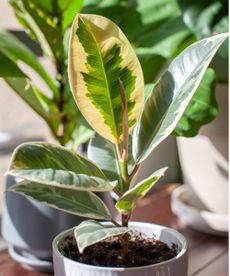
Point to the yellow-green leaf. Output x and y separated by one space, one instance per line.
127 202
100 56
90 232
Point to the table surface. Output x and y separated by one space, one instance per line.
208 255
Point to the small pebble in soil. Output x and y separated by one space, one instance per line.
142 251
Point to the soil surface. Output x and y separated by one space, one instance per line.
142 251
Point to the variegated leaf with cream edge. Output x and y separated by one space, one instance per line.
100 56
127 201
81 203
54 165
90 232
67 179
171 95
42 155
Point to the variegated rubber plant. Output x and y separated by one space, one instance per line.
107 83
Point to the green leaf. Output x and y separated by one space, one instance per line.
172 94
90 232
80 134
221 27
148 90
165 40
202 108
40 155
201 16
104 57
80 203
11 47
46 21
42 19
69 9
152 65
103 153
65 9
151 27
63 178
205 18
36 99
128 200
8 68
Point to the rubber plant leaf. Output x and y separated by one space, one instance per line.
9 68
103 153
100 57
205 18
42 155
202 16
85 204
90 232
11 47
128 200
171 95
63 178
42 20
201 110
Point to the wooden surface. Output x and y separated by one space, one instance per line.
208 255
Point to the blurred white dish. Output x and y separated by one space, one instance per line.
202 220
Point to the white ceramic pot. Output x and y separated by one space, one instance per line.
204 161
176 266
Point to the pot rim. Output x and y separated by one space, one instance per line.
132 223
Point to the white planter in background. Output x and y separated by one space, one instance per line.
177 266
204 161
205 171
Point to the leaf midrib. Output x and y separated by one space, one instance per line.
89 210
54 183
105 77
175 99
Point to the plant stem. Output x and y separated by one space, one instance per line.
115 223
123 162
125 237
62 127
124 247
125 219
124 174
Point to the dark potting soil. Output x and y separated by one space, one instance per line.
142 251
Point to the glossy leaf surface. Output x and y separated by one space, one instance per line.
128 200
172 94
49 156
206 17
63 178
85 204
103 153
201 110
90 232
100 56
8 68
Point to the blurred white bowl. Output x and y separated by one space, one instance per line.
204 221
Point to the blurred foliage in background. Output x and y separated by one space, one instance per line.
158 31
